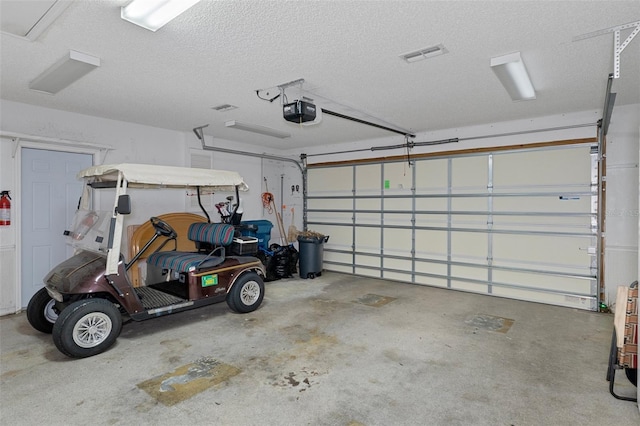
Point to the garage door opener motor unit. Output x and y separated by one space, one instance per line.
299 111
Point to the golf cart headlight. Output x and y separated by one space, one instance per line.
55 294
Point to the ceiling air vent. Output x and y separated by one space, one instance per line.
427 52
224 107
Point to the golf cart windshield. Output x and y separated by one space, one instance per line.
90 230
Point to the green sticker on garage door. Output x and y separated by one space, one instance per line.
209 280
387 184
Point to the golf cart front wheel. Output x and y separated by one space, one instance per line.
40 311
87 327
247 293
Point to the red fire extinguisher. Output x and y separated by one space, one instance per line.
5 208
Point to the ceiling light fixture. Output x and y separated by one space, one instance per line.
64 72
513 75
154 14
257 129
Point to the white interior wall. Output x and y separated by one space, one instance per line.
280 178
129 142
8 294
137 143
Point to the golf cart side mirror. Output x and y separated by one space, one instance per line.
124 204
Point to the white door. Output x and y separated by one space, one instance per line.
49 199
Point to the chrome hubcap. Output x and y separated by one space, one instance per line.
92 329
49 313
250 293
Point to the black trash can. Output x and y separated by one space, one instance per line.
311 250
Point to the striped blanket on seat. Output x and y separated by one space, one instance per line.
216 234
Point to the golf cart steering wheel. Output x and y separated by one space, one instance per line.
163 228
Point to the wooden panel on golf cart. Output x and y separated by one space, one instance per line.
143 233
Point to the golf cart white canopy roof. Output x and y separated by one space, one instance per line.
151 175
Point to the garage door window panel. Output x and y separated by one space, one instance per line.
330 180
431 176
397 242
469 175
541 251
469 247
533 170
368 240
552 283
431 244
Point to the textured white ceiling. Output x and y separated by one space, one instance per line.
347 51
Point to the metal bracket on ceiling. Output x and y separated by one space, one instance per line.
620 47
297 82
370 121
199 131
617 46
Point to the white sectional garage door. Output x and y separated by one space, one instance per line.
513 223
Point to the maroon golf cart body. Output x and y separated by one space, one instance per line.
86 297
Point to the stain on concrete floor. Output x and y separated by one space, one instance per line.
296 381
491 323
188 380
374 300
301 366
174 348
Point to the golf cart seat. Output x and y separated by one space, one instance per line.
215 236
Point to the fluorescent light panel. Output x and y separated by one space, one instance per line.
257 129
64 72
513 75
154 14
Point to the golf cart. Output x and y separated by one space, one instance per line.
86 297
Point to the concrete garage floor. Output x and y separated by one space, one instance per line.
336 350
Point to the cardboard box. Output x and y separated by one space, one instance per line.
630 333
628 356
628 351
632 307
